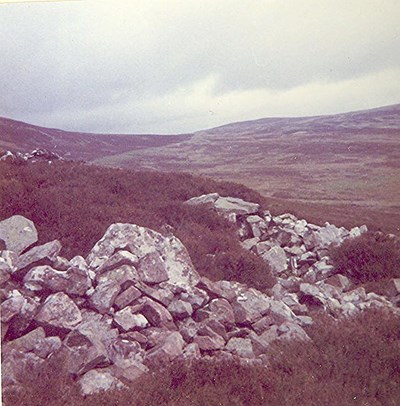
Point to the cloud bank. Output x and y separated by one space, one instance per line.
172 66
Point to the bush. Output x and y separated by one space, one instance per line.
370 257
75 204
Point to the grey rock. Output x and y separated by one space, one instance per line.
210 343
117 260
27 342
15 364
196 297
191 351
127 320
241 347
157 315
18 233
47 252
151 269
180 309
127 297
227 205
104 296
167 351
257 225
47 346
59 311
20 322
123 275
340 281
250 243
11 307
73 281
292 331
220 310
261 342
141 241
276 258
98 380
250 306
208 199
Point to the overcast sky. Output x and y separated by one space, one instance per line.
169 66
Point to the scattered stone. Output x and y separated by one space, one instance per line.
137 301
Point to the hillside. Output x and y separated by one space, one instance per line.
345 166
348 158
23 137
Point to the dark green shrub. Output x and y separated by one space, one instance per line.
370 257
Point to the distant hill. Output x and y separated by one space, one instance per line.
23 137
351 158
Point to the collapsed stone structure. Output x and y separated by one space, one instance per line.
136 300
37 155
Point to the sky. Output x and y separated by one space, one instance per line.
169 66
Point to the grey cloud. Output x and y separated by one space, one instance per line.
79 59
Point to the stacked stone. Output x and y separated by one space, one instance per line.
297 253
136 301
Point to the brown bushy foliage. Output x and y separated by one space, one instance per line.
75 204
370 257
353 361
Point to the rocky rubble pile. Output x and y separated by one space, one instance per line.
136 301
37 155
298 255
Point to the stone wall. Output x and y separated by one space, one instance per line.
136 300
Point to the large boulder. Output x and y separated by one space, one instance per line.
142 241
18 233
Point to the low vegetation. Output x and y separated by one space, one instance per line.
355 361
372 257
75 204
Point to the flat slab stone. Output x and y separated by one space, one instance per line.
47 251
